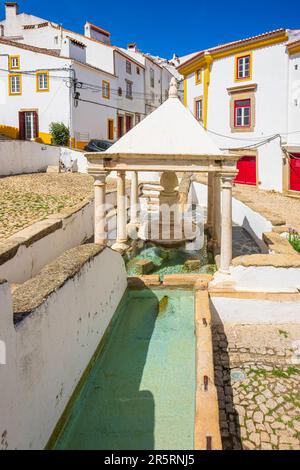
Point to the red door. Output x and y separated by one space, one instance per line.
120 126
295 172
128 122
247 171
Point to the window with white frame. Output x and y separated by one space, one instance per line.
15 84
242 113
199 109
128 66
14 62
42 81
243 67
30 132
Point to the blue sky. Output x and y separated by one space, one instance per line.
162 27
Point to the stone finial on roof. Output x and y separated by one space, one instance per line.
173 90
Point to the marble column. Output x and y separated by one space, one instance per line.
226 224
100 234
216 229
134 198
210 202
120 244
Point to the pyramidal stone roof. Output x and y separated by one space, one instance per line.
169 130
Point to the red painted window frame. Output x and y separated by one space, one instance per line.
237 67
235 114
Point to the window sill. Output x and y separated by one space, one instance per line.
242 129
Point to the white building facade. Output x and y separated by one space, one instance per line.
102 94
247 94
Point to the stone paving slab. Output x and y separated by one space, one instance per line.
257 374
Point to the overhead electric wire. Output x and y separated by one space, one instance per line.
109 106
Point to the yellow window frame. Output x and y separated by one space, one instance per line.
10 92
11 67
236 59
42 90
104 83
198 79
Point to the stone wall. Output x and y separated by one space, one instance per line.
51 327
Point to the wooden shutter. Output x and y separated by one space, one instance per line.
21 125
36 123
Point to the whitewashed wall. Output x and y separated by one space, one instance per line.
253 222
51 106
17 157
294 100
91 118
243 311
261 279
270 73
49 350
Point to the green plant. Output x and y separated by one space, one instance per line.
60 133
283 333
294 239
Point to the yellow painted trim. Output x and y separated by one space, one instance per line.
294 50
44 137
197 63
198 80
9 131
11 57
238 56
78 144
9 84
105 82
206 82
185 91
109 120
42 90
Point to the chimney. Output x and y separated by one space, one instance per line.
11 10
132 46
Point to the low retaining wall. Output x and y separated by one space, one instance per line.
19 156
73 160
26 252
246 311
23 254
61 316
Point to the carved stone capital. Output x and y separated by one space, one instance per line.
227 180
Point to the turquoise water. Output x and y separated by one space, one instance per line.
171 261
140 393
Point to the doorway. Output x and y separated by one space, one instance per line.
28 125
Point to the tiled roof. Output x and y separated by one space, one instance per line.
28 47
51 52
231 44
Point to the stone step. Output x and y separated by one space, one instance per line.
151 185
150 194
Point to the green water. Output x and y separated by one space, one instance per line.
140 393
171 261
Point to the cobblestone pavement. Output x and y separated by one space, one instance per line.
25 199
259 400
